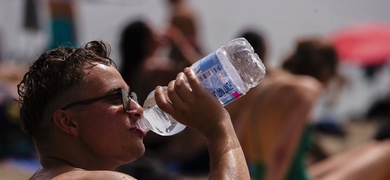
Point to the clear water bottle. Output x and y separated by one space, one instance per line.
228 73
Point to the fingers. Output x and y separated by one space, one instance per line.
193 80
174 96
182 88
162 100
179 96
172 93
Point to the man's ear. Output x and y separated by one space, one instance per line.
63 121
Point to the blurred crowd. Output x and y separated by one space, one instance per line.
274 121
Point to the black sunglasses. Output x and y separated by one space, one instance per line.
124 95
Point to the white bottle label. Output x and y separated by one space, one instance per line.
215 79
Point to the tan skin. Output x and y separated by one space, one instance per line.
287 100
91 140
367 161
227 160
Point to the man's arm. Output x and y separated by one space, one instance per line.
198 109
226 156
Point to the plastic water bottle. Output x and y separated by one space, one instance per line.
228 73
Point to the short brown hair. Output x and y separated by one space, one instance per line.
52 74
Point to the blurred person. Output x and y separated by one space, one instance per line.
272 120
78 109
182 31
63 23
140 46
370 160
144 67
181 39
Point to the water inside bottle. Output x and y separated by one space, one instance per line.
160 122
228 73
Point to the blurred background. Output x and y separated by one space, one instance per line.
29 27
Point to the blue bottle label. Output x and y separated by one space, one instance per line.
215 79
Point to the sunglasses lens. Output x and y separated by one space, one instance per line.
125 100
134 97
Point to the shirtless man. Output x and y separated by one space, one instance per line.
76 106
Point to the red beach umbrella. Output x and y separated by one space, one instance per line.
366 44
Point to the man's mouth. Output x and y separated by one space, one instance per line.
139 132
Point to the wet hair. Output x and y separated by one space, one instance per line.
51 75
313 57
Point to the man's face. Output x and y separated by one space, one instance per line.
106 130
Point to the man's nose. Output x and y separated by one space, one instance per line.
136 110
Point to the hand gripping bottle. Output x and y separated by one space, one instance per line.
228 73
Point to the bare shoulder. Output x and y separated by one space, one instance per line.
284 87
302 85
96 175
108 175
81 174
309 83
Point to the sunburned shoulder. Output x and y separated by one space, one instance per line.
287 85
83 174
298 83
310 83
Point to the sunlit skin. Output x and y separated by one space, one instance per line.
97 136
91 140
104 125
370 160
198 109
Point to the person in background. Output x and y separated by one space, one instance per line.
272 119
368 160
183 33
63 23
140 47
82 117
181 40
